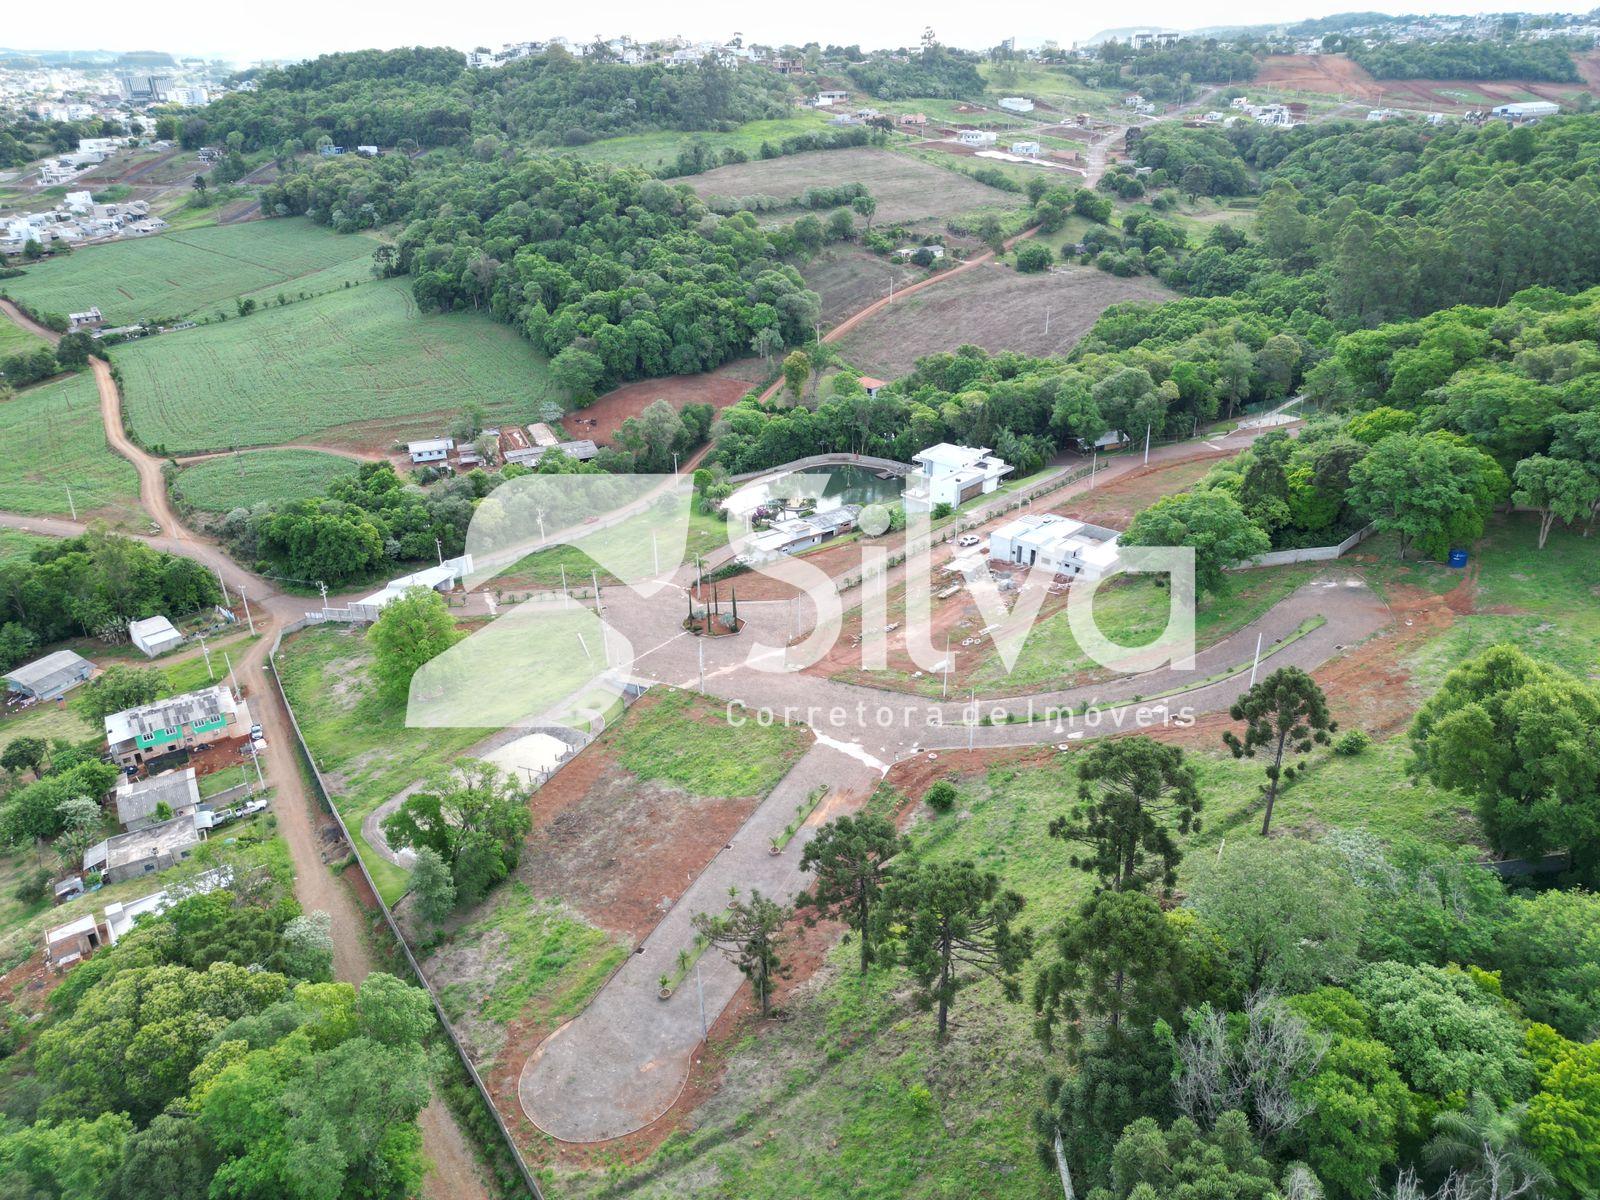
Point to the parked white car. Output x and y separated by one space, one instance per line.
970 539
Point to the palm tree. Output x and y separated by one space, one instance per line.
1482 1148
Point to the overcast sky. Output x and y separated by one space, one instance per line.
302 28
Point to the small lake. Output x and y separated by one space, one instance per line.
831 486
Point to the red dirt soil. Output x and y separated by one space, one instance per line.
718 388
1336 75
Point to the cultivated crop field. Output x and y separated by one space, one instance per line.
361 366
994 307
905 188
219 484
53 437
16 340
195 272
653 150
848 278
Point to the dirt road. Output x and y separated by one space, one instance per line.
454 1175
24 321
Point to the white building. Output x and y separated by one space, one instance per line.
1027 149
430 450
795 534
49 677
1060 544
1528 110
952 475
154 635
441 578
1016 104
977 137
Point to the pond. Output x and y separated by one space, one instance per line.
830 486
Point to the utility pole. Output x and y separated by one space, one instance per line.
71 504
1257 663
231 676
674 462
223 584
438 547
256 759
1047 320
323 588
1147 445
566 598
210 674
891 289
248 618
594 578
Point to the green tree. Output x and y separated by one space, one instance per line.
1286 713
1289 917
1183 1163
1118 959
411 631
865 206
26 751
1481 1148
1523 740
796 370
577 371
1547 950
956 925
74 1159
1432 490
433 891
1556 488
1562 1121
1211 523
116 688
1033 257
847 858
169 1159
751 934
473 817
1132 792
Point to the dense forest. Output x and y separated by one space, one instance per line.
22 139
428 97
1470 58
611 273
938 72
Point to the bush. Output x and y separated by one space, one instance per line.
941 797
1031 257
941 510
1353 743
34 887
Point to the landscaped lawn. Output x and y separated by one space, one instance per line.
364 358
687 741
219 484
195 273
53 439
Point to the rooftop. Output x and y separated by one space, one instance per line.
49 671
182 710
950 457
138 799
156 628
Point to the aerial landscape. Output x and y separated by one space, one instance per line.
839 610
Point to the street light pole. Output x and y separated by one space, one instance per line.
71 504
251 620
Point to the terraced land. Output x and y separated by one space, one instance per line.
219 484
195 273
361 366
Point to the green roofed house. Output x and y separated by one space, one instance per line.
151 731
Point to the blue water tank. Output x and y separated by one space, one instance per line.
1458 558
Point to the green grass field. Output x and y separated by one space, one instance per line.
360 355
220 484
16 340
195 272
53 438
359 740
652 150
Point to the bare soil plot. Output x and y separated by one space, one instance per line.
994 307
719 388
905 188
848 279
1336 75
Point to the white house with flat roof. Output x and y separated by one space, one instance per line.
1016 104
430 449
977 137
1061 544
154 635
950 474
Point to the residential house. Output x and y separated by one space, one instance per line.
69 943
144 851
368 151
914 120
137 735
827 99
120 917
977 137
51 676
430 450
1061 544
949 474
85 319
1016 104
154 635
794 534
871 386
936 252
139 801
1027 149
1111 439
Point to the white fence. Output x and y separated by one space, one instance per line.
1282 558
